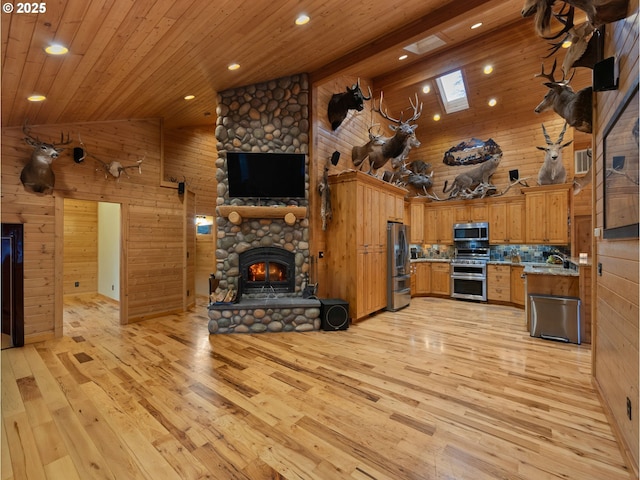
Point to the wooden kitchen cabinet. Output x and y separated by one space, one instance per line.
499 283
470 212
506 221
416 213
440 278
517 285
423 278
438 224
394 207
356 250
547 214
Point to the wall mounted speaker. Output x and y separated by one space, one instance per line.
334 314
78 154
335 158
180 188
605 76
513 175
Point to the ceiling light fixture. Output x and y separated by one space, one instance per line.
56 49
426 89
403 57
436 117
302 19
476 25
36 98
487 69
234 66
189 97
492 102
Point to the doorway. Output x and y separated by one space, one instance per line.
91 266
12 285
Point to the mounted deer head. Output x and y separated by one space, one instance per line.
574 107
341 103
37 175
381 149
552 170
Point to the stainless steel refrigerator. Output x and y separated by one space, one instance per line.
399 278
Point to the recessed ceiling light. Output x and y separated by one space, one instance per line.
36 98
436 117
426 89
403 57
189 97
234 66
492 102
476 25
56 49
487 69
302 19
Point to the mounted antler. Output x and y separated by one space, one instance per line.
416 111
37 175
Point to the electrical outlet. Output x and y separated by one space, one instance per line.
77 284
113 288
629 408
599 269
320 254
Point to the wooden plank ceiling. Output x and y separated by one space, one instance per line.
139 58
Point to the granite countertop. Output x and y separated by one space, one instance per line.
547 269
441 260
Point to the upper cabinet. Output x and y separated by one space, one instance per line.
472 211
438 224
547 214
416 216
506 221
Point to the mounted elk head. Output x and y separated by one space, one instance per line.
341 103
574 107
599 12
37 175
381 149
552 170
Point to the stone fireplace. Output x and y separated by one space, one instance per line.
266 117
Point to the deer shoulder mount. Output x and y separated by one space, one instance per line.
341 103
574 107
552 170
381 149
37 175
599 12
466 184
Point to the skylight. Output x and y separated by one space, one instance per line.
453 92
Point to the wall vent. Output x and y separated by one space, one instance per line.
582 159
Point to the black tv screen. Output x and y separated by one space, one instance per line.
266 175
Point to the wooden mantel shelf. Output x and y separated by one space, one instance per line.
235 213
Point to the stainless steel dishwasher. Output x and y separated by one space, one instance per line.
555 318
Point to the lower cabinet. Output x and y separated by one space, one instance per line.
499 283
517 285
423 278
441 278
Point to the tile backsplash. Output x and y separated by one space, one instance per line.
528 253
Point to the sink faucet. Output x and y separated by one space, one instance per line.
555 258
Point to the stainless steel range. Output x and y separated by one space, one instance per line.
469 266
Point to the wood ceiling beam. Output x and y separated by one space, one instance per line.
444 14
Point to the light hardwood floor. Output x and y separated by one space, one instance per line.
440 390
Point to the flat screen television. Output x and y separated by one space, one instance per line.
266 175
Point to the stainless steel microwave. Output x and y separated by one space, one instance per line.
470 231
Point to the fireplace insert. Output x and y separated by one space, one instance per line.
267 270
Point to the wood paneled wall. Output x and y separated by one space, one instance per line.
153 219
616 307
80 263
190 155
